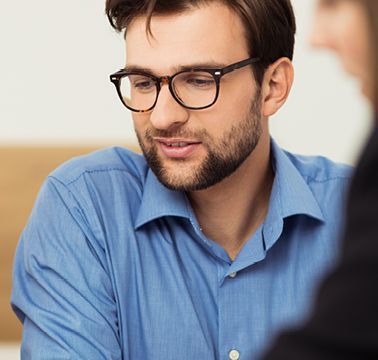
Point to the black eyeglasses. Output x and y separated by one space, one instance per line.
194 89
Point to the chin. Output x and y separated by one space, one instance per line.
178 182
367 92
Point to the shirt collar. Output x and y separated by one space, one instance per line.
159 201
290 195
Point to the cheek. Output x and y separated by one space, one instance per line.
140 122
353 39
235 100
353 52
219 122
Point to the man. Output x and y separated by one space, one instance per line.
210 243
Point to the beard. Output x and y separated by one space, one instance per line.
223 158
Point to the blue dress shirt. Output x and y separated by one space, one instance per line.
113 265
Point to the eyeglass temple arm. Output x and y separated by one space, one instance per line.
239 65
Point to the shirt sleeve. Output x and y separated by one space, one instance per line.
62 290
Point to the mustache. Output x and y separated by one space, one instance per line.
175 133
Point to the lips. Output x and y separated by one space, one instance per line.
177 148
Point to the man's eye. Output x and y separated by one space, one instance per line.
200 82
143 84
329 3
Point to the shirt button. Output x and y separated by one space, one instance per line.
233 355
232 275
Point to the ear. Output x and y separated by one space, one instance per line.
276 85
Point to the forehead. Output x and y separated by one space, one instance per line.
207 34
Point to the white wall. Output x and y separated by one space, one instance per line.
54 88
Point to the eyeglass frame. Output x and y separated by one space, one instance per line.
217 74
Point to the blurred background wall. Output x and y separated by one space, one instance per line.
56 57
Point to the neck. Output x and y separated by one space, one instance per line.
232 210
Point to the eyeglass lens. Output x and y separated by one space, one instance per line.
195 89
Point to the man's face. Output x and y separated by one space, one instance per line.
194 149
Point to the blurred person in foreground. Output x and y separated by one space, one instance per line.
210 242
344 322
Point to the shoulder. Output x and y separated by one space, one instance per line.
109 162
101 190
328 181
104 183
319 169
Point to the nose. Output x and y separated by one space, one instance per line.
168 113
321 33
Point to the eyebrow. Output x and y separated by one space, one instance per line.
194 66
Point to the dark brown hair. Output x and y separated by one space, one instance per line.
372 13
269 24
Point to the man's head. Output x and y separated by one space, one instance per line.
190 149
269 25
